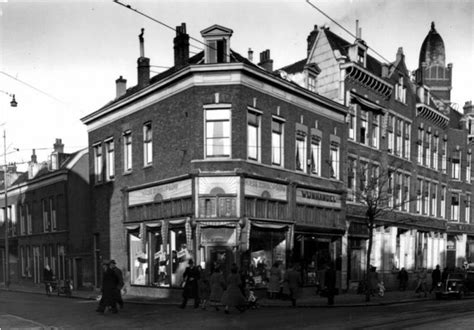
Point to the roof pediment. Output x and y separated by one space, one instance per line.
216 30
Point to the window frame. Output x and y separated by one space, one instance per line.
127 151
227 150
147 144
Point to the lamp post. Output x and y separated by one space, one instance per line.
13 104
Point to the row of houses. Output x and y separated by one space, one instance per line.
223 160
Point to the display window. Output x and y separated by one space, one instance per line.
267 246
161 259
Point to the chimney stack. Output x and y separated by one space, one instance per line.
250 55
400 54
143 64
59 146
121 87
33 157
468 107
311 39
181 46
265 61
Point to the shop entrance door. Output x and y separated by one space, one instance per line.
220 256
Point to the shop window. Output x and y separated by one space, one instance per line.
267 246
156 261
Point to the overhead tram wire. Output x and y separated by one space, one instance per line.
164 24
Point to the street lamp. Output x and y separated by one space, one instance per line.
13 104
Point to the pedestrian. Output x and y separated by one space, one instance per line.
274 281
421 282
402 279
233 296
204 287
330 283
435 278
293 280
218 286
120 285
190 284
48 278
110 282
373 280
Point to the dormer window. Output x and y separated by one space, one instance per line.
361 56
217 40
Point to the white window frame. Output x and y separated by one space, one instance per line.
334 160
455 207
226 137
127 151
352 126
407 140
468 208
375 130
147 144
456 166
443 202
109 159
254 124
315 155
301 153
277 142
98 162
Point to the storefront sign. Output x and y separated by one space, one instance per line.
218 236
318 198
160 193
265 189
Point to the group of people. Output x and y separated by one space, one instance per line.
214 289
112 285
422 280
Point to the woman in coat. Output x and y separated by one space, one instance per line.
274 281
217 284
204 287
233 296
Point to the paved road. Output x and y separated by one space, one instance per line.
21 310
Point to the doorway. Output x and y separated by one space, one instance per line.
220 256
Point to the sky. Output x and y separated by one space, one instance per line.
61 58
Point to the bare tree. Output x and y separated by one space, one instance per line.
377 194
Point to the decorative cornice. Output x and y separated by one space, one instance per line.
367 79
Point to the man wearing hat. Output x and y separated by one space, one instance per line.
120 285
110 282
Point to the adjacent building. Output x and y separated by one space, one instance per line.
403 130
49 221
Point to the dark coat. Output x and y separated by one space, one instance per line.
191 277
436 275
330 281
110 283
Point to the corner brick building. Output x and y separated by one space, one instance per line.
220 160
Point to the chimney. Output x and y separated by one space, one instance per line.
33 157
265 61
181 46
59 146
311 39
143 64
250 55
121 87
384 70
357 29
400 54
468 107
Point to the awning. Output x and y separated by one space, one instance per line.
367 103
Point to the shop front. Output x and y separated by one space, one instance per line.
318 234
160 234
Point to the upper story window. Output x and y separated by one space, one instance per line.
435 150
21 209
375 130
217 40
456 165
46 215
444 158
363 131
351 179
97 148
277 142
300 152
334 160
110 160
217 135
467 207
406 140
361 53
442 206
468 167
352 124
455 206
427 151
399 146
253 135
127 151
420 145
406 192
400 91
316 155
52 212
29 223
147 144
391 133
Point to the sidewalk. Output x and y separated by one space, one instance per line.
308 298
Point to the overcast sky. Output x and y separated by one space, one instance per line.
61 58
